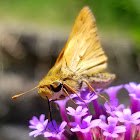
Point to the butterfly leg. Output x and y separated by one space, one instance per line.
92 89
68 95
73 91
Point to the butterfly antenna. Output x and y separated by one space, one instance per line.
18 95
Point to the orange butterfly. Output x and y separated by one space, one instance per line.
80 63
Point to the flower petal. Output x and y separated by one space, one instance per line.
112 120
32 122
45 122
120 129
62 125
95 122
103 126
85 110
35 119
120 107
136 122
106 105
107 134
32 126
33 132
76 129
130 87
119 114
42 118
93 97
127 112
54 123
136 115
71 110
48 134
88 119
79 109
52 126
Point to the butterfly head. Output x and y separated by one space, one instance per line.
50 90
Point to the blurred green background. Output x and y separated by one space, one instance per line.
32 34
110 15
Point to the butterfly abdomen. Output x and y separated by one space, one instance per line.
99 80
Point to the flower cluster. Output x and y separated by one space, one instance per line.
110 121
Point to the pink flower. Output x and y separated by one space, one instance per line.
111 129
38 124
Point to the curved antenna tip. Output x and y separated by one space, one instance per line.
16 96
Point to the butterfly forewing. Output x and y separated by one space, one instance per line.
83 51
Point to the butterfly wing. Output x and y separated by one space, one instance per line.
83 52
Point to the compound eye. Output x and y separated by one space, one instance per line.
56 86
